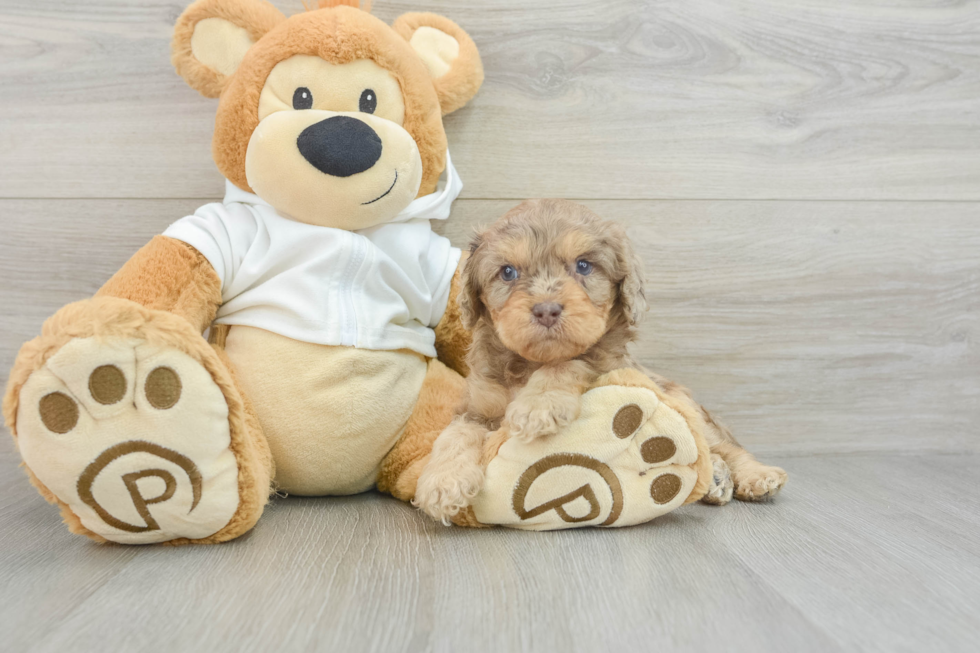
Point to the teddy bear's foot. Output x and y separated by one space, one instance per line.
627 459
134 439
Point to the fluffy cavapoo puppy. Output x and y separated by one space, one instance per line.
552 294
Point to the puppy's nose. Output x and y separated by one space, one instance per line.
340 146
547 313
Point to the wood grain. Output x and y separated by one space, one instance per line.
808 326
625 99
843 560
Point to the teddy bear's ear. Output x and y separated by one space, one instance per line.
448 52
212 36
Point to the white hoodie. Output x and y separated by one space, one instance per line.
378 288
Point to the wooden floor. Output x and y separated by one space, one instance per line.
864 552
802 180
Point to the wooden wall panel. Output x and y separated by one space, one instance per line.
624 99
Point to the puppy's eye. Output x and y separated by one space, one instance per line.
369 101
508 273
302 98
583 267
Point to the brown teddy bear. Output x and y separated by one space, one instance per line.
335 349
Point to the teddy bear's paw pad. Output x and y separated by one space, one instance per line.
133 437
628 459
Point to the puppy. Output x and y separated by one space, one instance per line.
552 294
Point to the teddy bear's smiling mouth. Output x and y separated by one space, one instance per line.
384 193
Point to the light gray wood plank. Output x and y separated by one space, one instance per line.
840 561
875 534
808 326
44 573
623 99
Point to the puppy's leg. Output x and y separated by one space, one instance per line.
453 475
550 400
720 491
752 480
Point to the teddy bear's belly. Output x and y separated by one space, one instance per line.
330 413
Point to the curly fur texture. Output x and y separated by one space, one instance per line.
543 241
526 377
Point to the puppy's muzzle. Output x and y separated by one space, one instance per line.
340 146
547 314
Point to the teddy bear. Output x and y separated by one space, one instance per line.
334 349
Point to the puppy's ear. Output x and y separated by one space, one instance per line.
470 305
211 38
448 52
632 297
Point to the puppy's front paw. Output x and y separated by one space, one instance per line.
443 490
534 416
758 482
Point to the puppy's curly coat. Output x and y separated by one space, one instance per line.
552 294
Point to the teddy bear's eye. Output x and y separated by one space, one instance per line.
369 101
302 98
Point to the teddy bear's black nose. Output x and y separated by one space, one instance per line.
340 146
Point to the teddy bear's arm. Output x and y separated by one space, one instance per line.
452 338
169 275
